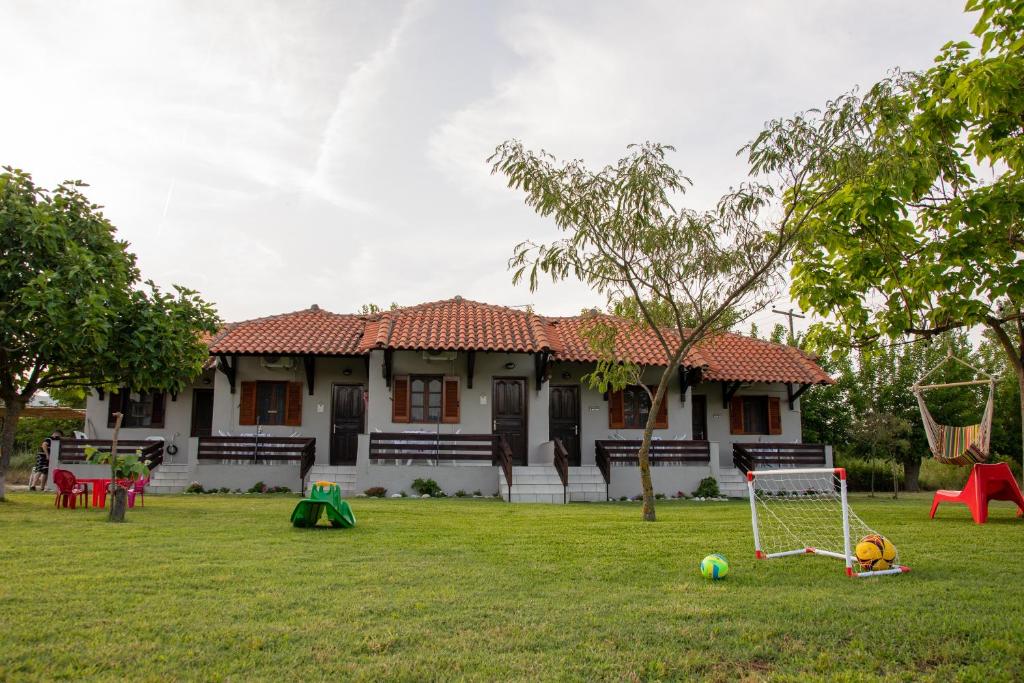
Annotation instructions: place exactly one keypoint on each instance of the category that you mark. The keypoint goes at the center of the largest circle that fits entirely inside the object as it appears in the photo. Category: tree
(681, 275)
(73, 313)
(920, 241)
(883, 433)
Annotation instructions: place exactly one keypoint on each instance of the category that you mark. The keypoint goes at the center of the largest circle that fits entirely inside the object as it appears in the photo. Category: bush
(707, 488)
(461, 494)
(194, 487)
(427, 487)
(858, 473)
(477, 494)
(623, 498)
(659, 496)
(258, 487)
(376, 492)
(32, 431)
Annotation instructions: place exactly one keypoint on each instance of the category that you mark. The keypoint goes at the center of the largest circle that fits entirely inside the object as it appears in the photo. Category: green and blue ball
(714, 566)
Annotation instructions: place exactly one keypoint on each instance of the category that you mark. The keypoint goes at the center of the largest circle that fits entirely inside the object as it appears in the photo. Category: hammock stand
(956, 445)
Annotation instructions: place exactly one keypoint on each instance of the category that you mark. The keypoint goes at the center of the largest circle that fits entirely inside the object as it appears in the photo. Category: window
(700, 417)
(140, 409)
(270, 402)
(425, 398)
(630, 408)
(755, 415)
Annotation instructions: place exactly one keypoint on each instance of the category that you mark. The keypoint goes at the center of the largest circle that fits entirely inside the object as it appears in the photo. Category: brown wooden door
(564, 420)
(347, 412)
(700, 418)
(202, 412)
(508, 410)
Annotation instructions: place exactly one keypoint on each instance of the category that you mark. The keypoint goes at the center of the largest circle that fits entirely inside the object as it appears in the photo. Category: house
(480, 398)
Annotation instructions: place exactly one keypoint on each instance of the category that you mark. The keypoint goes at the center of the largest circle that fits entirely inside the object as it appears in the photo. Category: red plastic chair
(137, 488)
(987, 482)
(69, 490)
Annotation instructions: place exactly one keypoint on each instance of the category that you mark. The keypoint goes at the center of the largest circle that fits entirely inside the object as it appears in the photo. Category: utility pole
(789, 314)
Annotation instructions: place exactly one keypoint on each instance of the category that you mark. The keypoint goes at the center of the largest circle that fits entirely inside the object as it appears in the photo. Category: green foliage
(123, 466)
(376, 492)
(33, 430)
(194, 487)
(707, 488)
(427, 487)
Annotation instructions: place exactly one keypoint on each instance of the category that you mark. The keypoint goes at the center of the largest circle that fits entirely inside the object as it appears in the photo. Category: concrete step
(345, 477)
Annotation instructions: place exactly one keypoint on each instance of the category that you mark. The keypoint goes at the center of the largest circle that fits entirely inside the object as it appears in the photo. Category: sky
(273, 155)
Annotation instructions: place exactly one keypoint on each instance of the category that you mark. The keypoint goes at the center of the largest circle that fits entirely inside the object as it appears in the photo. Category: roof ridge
(278, 316)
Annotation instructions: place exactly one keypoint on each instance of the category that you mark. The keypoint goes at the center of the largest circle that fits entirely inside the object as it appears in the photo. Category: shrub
(194, 487)
(477, 494)
(707, 488)
(858, 474)
(427, 487)
(461, 494)
(224, 489)
(623, 498)
(376, 492)
(258, 487)
(659, 496)
(680, 495)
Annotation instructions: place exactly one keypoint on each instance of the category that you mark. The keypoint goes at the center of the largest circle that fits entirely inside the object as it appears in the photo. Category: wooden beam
(728, 391)
(794, 395)
(386, 368)
(540, 362)
(310, 364)
(174, 396)
(229, 368)
(470, 367)
(687, 378)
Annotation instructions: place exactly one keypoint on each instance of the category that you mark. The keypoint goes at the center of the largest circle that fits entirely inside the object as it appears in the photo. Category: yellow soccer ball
(875, 553)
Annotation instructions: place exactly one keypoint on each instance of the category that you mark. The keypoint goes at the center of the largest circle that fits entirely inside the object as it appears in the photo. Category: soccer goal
(805, 511)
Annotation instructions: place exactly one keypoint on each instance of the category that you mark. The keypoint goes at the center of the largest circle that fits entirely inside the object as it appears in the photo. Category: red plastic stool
(987, 482)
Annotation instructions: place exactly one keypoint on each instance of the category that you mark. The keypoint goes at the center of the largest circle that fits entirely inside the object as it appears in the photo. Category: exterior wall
(666, 479)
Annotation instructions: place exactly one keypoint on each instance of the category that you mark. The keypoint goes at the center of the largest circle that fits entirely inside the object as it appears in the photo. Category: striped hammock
(957, 445)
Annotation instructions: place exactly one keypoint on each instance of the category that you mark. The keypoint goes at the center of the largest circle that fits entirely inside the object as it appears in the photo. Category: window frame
(762, 409)
(425, 393)
(635, 405)
(281, 413)
(121, 401)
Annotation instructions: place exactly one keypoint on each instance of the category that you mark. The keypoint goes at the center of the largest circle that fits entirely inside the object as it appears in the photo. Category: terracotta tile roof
(459, 324)
(456, 325)
(311, 331)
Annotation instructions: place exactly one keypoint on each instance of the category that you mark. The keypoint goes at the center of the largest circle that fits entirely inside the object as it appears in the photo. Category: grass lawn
(222, 587)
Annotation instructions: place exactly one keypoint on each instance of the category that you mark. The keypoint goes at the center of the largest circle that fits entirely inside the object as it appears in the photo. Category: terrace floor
(222, 587)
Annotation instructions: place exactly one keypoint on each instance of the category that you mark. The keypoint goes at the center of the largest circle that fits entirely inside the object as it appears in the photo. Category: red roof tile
(311, 331)
(459, 324)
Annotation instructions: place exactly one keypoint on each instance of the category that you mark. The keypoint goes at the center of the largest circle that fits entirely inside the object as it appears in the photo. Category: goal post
(807, 512)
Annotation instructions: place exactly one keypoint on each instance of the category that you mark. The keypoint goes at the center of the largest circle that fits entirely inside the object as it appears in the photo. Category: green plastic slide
(323, 497)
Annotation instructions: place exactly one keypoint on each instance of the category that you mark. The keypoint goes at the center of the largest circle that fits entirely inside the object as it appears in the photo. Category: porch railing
(260, 449)
(753, 456)
(72, 451)
(662, 452)
(503, 457)
(561, 463)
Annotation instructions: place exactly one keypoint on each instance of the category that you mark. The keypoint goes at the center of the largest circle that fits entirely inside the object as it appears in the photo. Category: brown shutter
(450, 399)
(113, 406)
(774, 416)
(616, 413)
(736, 415)
(293, 404)
(247, 405)
(156, 418)
(400, 398)
(661, 419)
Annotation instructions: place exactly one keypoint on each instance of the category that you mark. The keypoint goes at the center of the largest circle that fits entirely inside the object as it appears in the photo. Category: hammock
(957, 445)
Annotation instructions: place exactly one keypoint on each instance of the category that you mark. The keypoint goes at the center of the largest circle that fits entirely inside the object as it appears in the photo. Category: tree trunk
(13, 409)
(912, 471)
(1020, 386)
(643, 456)
(895, 479)
(118, 494)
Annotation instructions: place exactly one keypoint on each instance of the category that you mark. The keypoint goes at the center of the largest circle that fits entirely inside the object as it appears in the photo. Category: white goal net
(805, 511)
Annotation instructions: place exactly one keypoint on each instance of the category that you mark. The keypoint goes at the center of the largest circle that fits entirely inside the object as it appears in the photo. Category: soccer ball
(875, 553)
(714, 566)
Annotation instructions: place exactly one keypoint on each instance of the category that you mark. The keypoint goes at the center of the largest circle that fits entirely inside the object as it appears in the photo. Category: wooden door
(700, 418)
(202, 412)
(508, 412)
(347, 413)
(564, 420)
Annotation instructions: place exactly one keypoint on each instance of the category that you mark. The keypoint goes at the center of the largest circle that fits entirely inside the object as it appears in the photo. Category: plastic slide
(325, 496)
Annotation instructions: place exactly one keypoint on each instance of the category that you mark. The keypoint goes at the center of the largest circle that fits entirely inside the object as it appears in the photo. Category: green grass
(223, 588)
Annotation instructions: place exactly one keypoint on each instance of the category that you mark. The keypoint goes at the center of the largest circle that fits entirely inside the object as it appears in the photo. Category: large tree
(73, 312)
(926, 234)
(679, 274)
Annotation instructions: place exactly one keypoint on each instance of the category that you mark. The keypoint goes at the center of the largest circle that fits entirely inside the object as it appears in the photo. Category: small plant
(623, 498)
(258, 487)
(707, 488)
(376, 492)
(427, 487)
(477, 494)
(224, 489)
(679, 495)
(659, 496)
(403, 494)
(461, 494)
(194, 487)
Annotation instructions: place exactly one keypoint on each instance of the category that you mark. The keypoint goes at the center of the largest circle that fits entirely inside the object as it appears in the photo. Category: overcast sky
(276, 155)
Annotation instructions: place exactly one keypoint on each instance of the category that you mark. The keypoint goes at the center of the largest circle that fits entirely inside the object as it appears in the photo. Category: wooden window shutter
(736, 415)
(247, 404)
(661, 419)
(156, 417)
(774, 416)
(400, 408)
(293, 404)
(450, 399)
(616, 413)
